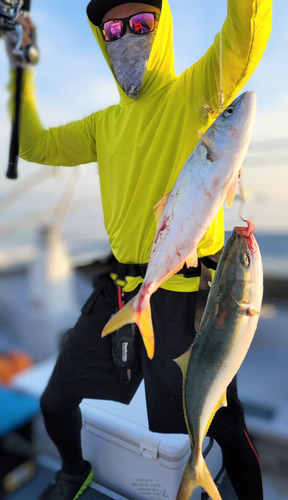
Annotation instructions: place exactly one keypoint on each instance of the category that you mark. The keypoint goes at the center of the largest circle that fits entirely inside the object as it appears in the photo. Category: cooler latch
(149, 448)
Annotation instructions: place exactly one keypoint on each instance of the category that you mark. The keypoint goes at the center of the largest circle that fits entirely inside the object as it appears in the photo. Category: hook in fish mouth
(248, 231)
(248, 234)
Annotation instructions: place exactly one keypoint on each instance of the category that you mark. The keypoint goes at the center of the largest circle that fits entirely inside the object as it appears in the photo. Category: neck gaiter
(129, 57)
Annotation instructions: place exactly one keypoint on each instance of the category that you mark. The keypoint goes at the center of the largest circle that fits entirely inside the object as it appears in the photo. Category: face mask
(129, 57)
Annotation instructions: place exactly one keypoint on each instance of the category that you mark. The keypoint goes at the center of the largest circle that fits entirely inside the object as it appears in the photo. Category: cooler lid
(129, 424)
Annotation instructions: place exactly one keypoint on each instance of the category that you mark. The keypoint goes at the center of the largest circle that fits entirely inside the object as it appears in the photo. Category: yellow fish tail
(197, 475)
(133, 313)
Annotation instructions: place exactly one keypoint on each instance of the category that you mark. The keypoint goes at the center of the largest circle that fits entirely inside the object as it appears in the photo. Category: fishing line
(242, 202)
(221, 107)
(221, 93)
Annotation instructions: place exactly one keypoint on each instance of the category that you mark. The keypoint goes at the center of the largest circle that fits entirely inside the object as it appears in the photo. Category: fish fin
(197, 474)
(123, 317)
(212, 151)
(222, 402)
(206, 480)
(192, 259)
(159, 207)
(145, 325)
(232, 190)
(129, 314)
(252, 312)
(183, 361)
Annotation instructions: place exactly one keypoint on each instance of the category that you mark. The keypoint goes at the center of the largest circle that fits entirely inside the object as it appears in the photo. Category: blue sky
(73, 79)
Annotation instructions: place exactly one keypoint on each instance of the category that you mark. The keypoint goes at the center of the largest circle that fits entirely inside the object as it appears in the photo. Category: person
(141, 144)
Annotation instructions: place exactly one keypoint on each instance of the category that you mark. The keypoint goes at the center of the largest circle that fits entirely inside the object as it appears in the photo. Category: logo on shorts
(124, 352)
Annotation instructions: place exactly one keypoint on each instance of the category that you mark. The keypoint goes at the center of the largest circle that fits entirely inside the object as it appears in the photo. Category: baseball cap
(97, 9)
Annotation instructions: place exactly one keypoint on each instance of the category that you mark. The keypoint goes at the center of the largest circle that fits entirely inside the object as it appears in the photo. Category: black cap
(97, 9)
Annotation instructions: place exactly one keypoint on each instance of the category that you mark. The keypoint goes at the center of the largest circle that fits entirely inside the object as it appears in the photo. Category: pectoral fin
(213, 152)
(159, 207)
(252, 312)
(232, 192)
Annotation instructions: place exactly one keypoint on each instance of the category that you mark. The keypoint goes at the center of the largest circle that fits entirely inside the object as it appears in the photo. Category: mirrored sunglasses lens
(113, 30)
(142, 23)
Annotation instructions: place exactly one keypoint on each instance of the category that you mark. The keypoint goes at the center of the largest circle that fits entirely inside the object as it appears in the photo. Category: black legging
(243, 467)
(64, 428)
(85, 370)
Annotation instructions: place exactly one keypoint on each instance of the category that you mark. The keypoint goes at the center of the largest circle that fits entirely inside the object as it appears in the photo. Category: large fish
(208, 178)
(225, 334)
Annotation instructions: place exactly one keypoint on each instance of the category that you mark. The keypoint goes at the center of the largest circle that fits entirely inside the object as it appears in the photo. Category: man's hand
(28, 26)
(11, 39)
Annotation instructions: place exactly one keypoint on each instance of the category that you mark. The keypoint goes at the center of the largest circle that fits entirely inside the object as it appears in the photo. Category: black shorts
(85, 366)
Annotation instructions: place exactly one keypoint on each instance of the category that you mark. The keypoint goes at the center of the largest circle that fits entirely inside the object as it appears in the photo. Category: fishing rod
(10, 10)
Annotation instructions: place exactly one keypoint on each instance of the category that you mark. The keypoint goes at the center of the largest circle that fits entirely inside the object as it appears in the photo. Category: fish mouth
(247, 234)
(249, 100)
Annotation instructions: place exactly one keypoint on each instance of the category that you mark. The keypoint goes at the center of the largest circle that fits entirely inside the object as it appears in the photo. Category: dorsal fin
(213, 152)
(159, 207)
(183, 361)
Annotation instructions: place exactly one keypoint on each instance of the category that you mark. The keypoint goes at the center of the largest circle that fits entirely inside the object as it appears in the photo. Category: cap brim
(97, 9)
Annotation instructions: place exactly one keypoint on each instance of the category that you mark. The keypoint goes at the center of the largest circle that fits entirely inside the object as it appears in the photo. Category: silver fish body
(225, 334)
(207, 178)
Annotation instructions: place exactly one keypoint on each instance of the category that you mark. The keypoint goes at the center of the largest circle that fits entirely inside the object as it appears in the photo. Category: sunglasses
(140, 24)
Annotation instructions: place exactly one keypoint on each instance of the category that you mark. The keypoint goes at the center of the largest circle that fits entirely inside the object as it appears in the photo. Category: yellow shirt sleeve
(245, 34)
(68, 145)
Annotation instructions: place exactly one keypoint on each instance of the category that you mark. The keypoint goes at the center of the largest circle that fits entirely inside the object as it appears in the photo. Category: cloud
(271, 118)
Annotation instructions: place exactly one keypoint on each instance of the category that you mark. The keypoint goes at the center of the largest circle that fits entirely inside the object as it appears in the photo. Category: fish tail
(197, 474)
(207, 482)
(133, 313)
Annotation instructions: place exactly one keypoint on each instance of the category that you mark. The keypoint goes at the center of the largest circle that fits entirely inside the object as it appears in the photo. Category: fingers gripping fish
(183, 216)
(224, 337)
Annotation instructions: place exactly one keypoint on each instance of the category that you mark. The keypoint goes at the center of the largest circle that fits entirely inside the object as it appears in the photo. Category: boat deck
(33, 489)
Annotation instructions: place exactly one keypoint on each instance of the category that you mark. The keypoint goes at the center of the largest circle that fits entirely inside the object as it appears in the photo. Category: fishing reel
(10, 10)
(29, 54)
(9, 13)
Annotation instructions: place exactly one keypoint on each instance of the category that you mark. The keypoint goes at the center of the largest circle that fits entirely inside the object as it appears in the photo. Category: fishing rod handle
(12, 171)
(26, 6)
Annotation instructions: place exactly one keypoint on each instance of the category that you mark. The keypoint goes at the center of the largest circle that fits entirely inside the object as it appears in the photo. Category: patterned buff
(129, 57)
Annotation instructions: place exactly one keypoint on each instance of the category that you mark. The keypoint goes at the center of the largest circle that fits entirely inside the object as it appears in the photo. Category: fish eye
(228, 112)
(244, 259)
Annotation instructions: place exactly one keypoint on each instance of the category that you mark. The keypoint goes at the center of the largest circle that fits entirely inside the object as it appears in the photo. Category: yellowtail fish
(224, 337)
(183, 216)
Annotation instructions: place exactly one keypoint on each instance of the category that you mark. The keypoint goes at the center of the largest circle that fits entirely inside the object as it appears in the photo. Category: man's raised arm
(245, 34)
(68, 145)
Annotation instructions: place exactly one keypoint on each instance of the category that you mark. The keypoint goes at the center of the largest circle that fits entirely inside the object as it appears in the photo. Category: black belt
(139, 270)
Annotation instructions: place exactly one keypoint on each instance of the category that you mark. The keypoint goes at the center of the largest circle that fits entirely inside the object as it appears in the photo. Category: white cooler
(126, 457)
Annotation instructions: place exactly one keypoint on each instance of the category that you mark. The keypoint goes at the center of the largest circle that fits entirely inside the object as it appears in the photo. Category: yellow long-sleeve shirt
(142, 145)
